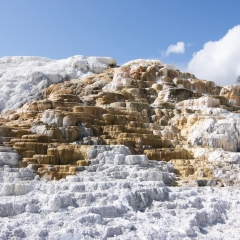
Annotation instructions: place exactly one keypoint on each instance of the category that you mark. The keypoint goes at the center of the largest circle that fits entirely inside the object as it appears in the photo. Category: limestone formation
(152, 108)
(117, 141)
(114, 198)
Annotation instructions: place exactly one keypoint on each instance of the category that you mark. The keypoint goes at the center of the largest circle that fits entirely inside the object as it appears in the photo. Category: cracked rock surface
(118, 196)
(91, 150)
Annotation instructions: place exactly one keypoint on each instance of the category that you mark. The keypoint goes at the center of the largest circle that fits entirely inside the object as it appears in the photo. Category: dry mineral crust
(119, 138)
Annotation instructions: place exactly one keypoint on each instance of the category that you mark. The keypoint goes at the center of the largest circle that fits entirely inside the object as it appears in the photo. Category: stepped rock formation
(115, 137)
(114, 198)
(23, 78)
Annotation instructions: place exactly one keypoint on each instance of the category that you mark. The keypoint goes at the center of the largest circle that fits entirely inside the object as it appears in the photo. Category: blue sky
(124, 29)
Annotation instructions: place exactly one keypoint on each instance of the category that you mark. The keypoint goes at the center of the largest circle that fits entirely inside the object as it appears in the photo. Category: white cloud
(177, 48)
(218, 61)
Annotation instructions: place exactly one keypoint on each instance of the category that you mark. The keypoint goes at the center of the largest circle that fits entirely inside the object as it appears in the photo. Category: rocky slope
(22, 78)
(125, 198)
(119, 135)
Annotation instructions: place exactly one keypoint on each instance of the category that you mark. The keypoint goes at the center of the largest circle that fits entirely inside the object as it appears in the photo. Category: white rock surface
(9, 158)
(200, 103)
(214, 128)
(142, 62)
(108, 201)
(225, 165)
(141, 160)
(121, 79)
(22, 78)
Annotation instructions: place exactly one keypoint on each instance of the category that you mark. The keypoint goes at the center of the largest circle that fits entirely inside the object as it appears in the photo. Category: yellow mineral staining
(151, 108)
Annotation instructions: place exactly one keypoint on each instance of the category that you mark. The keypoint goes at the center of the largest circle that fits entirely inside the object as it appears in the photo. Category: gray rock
(119, 159)
(137, 160)
(9, 158)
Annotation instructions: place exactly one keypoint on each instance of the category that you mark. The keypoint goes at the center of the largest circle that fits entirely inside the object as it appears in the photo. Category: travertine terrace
(125, 143)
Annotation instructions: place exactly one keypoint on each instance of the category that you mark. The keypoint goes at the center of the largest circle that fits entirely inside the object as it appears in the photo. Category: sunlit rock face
(152, 108)
(217, 133)
(232, 92)
(117, 139)
(202, 102)
(113, 198)
(23, 78)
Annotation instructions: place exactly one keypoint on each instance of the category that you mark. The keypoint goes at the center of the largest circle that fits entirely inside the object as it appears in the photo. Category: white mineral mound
(22, 78)
(119, 196)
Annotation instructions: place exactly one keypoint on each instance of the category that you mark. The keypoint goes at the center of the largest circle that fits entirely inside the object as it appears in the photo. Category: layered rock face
(114, 198)
(151, 108)
(23, 78)
(118, 141)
